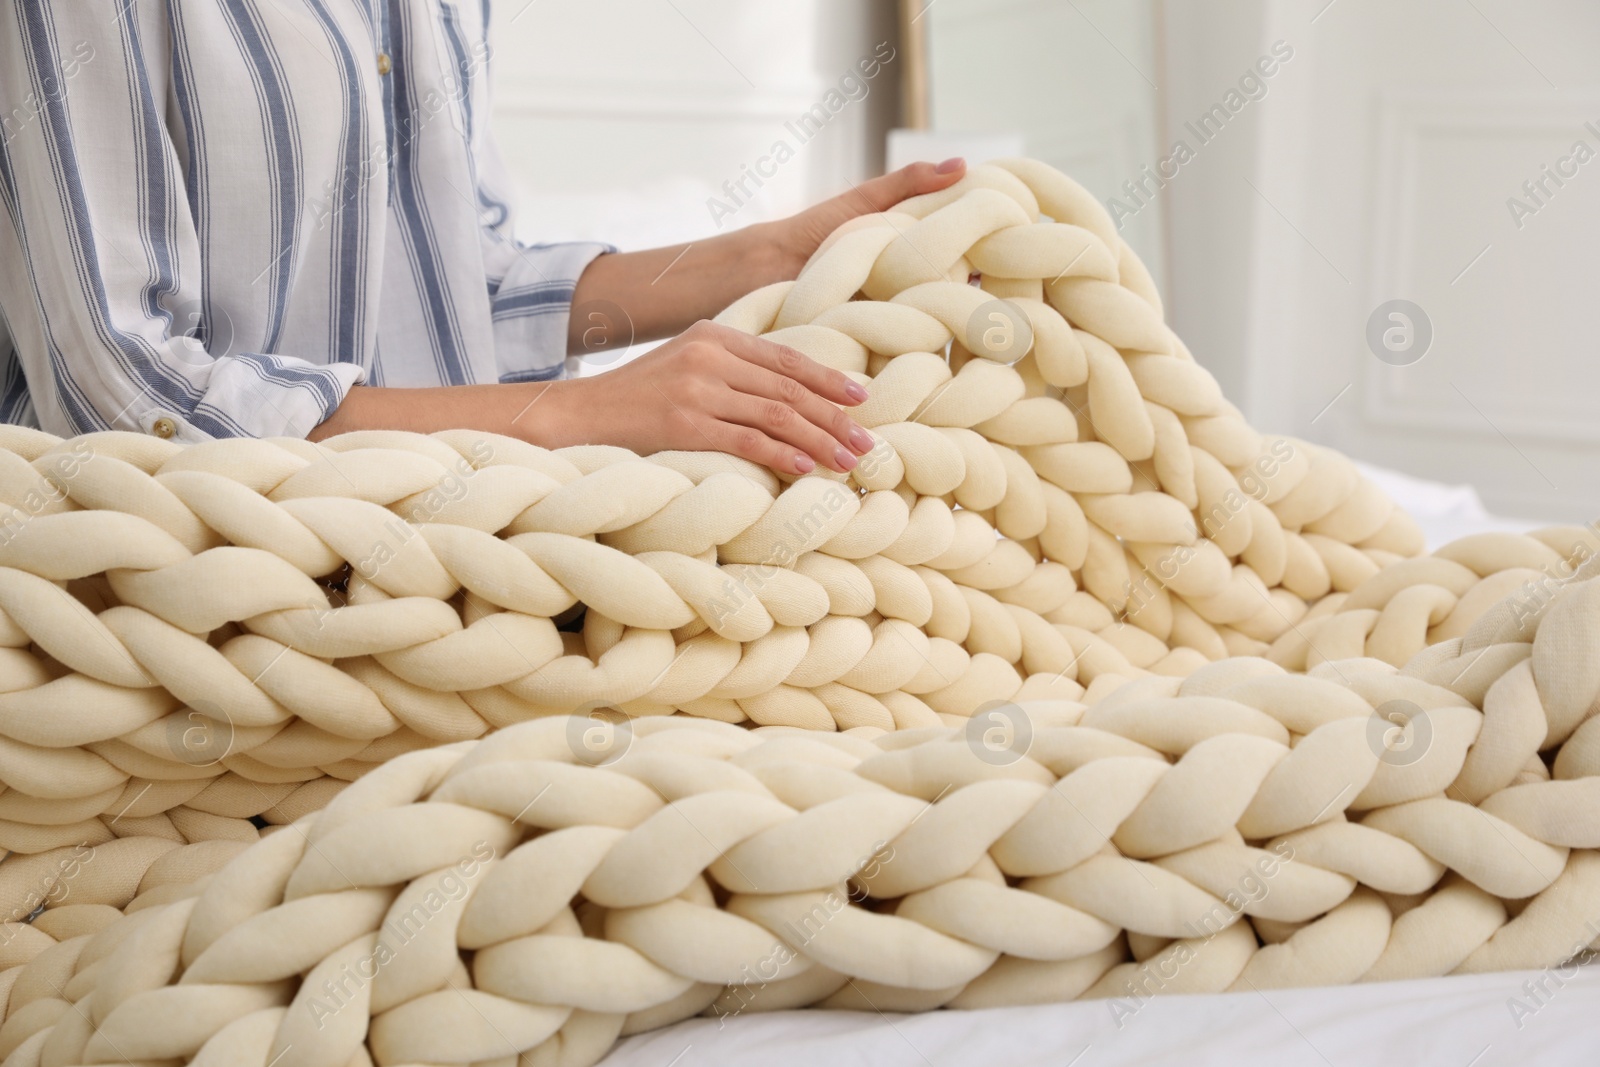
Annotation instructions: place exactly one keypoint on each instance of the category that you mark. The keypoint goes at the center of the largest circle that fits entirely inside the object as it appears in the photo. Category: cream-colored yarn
(1076, 501)
(1419, 602)
(1239, 829)
(1183, 629)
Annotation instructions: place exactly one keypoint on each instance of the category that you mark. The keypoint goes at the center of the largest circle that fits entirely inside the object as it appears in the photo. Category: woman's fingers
(782, 422)
(744, 395)
(791, 363)
(784, 393)
(748, 442)
(757, 381)
(881, 194)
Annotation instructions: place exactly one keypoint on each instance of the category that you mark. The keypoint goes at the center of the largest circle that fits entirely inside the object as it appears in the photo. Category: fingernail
(861, 441)
(804, 463)
(855, 392)
(954, 163)
(843, 460)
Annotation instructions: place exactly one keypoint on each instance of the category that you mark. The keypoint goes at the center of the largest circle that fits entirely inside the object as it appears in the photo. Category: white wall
(621, 117)
(1381, 163)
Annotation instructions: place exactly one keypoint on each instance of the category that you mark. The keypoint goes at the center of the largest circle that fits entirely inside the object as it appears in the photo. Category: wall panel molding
(1413, 260)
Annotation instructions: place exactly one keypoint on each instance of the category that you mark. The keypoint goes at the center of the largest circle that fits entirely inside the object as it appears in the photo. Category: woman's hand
(801, 235)
(661, 291)
(713, 388)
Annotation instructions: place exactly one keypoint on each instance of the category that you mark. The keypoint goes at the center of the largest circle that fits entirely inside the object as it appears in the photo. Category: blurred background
(1373, 220)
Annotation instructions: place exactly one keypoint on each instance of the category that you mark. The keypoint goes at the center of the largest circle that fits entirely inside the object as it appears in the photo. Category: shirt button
(163, 427)
(384, 65)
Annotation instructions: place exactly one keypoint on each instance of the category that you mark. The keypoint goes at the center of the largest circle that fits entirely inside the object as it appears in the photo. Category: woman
(286, 217)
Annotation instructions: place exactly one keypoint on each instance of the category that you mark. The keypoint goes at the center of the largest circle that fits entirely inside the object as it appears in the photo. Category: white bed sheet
(1466, 1021)
(1444, 512)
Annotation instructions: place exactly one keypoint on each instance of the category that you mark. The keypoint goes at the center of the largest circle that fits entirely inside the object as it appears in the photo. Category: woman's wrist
(556, 414)
(774, 252)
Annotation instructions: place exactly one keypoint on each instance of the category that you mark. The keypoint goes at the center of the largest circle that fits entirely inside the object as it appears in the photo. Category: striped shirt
(216, 216)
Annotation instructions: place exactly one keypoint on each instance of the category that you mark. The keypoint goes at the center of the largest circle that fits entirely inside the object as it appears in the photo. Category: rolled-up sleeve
(532, 303)
(102, 277)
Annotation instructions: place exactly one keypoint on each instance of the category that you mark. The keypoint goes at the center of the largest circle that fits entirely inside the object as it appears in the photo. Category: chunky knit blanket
(410, 750)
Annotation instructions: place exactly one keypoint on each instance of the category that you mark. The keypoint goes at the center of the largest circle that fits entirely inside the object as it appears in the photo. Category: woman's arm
(710, 387)
(664, 290)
